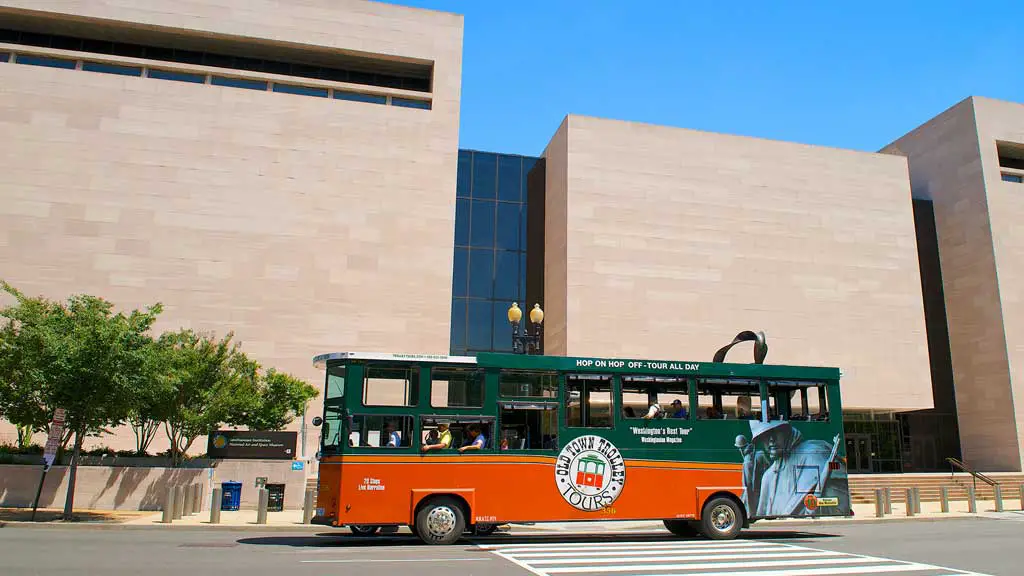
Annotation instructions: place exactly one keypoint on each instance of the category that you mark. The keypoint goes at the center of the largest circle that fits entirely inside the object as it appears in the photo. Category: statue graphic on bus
(785, 474)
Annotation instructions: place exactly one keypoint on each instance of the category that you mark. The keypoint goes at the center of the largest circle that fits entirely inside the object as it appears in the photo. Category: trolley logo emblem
(590, 473)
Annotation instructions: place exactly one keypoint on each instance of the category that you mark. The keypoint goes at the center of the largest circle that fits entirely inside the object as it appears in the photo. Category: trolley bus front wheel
(363, 530)
(440, 520)
(721, 519)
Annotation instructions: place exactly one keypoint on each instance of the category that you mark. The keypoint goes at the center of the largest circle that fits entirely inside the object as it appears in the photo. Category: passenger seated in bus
(677, 409)
(654, 412)
(444, 439)
(743, 411)
(475, 440)
(393, 436)
(630, 413)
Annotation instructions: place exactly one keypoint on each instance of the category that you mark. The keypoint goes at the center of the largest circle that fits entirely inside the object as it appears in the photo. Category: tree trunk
(69, 502)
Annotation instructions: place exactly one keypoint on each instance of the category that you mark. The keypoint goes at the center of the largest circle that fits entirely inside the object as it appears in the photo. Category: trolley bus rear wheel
(721, 519)
(682, 527)
(440, 521)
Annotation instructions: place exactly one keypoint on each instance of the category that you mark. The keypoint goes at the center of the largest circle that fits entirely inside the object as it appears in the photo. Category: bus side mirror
(318, 421)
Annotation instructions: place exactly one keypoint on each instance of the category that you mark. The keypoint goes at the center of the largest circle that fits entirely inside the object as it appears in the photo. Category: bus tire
(721, 519)
(440, 520)
(364, 529)
(681, 527)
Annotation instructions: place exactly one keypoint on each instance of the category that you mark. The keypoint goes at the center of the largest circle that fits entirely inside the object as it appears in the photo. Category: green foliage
(278, 398)
(209, 384)
(105, 369)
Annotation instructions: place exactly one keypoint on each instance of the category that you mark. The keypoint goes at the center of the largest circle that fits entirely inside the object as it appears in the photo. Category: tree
(209, 384)
(82, 357)
(279, 397)
(22, 356)
(144, 416)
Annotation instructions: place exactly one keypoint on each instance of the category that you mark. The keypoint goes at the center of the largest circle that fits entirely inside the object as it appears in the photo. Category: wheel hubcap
(441, 521)
(722, 517)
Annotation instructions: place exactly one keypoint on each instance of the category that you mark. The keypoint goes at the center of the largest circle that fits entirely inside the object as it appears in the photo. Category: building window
(300, 90)
(4, 56)
(357, 97)
(176, 76)
(238, 83)
(409, 103)
(46, 61)
(112, 69)
(1018, 178)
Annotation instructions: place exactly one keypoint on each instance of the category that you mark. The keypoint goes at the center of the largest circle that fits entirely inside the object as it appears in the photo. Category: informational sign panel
(235, 444)
(53, 440)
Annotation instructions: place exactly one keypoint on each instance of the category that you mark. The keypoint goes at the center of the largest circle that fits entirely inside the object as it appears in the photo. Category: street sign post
(50, 452)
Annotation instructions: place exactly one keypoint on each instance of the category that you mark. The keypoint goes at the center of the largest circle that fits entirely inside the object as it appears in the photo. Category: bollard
(888, 500)
(261, 511)
(168, 507)
(944, 498)
(307, 508)
(998, 495)
(215, 502)
(1022, 496)
(910, 502)
(198, 498)
(179, 502)
(190, 495)
(879, 503)
(917, 500)
(972, 504)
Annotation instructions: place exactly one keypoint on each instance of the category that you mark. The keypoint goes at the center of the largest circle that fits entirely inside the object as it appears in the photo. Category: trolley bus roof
(594, 364)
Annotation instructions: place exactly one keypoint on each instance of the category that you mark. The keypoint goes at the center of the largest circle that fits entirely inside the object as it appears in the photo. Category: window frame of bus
(421, 428)
(687, 381)
(414, 383)
(563, 384)
(553, 374)
(756, 400)
(350, 419)
(528, 405)
(801, 387)
(480, 374)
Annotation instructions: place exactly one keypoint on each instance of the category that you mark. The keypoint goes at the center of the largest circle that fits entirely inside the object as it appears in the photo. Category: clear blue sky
(848, 74)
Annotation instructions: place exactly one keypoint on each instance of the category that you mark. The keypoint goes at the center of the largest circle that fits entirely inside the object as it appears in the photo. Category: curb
(187, 527)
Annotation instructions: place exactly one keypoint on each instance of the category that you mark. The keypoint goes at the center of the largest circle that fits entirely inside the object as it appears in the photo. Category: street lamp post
(526, 342)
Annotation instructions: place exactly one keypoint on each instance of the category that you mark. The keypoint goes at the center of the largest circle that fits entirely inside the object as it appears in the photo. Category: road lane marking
(393, 560)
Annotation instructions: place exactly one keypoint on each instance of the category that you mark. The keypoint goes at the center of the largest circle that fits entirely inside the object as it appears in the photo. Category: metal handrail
(954, 463)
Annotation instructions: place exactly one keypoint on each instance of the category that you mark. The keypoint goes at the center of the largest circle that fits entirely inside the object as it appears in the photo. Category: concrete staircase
(862, 486)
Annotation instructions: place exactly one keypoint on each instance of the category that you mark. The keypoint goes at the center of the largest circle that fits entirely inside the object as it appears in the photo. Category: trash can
(275, 497)
(232, 498)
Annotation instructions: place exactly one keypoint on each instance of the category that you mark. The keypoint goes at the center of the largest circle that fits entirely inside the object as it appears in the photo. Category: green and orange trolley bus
(450, 444)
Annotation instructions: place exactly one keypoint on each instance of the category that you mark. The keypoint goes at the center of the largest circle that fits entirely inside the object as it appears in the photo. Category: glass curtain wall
(490, 250)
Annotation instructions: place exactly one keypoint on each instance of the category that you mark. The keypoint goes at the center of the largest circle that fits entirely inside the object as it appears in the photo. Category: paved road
(969, 546)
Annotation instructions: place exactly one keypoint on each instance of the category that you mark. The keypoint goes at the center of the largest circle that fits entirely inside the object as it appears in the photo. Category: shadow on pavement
(342, 540)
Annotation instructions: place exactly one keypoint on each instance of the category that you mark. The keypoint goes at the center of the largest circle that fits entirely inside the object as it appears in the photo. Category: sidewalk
(863, 512)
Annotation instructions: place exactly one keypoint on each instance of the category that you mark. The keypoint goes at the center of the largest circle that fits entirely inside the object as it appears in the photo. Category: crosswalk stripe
(674, 551)
(635, 560)
(706, 565)
(700, 558)
(512, 548)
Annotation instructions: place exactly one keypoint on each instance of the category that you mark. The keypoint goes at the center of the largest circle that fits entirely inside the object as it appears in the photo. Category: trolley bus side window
(390, 385)
(728, 399)
(797, 400)
(588, 401)
(380, 431)
(456, 388)
(526, 384)
(640, 392)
